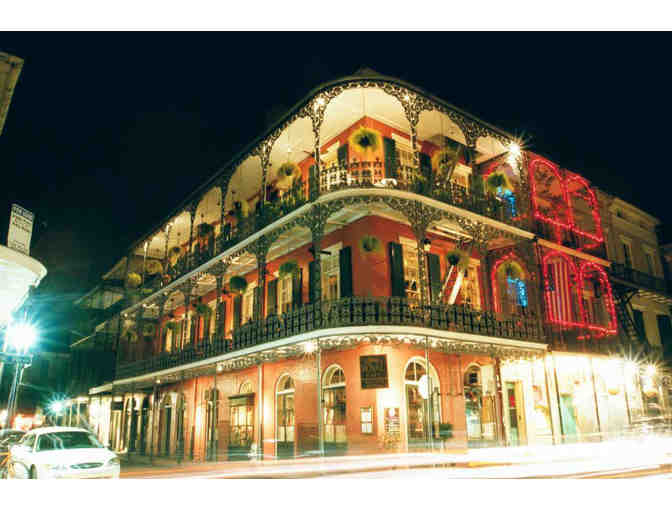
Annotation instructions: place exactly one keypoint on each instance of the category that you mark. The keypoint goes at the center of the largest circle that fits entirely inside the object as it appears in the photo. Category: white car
(61, 452)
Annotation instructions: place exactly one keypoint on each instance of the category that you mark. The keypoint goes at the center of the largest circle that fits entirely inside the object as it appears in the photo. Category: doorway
(516, 413)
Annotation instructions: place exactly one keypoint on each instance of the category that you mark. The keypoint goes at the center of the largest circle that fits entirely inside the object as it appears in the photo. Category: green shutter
(426, 168)
(390, 151)
(342, 154)
(311, 282)
(237, 311)
(398, 288)
(345, 270)
(272, 298)
(434, 266)
(222, 319)
(297, 287)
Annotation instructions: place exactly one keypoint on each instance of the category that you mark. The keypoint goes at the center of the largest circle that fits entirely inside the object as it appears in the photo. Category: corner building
(379, 272)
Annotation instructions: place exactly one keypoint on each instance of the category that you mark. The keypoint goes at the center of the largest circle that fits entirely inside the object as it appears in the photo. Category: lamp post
(19, 336)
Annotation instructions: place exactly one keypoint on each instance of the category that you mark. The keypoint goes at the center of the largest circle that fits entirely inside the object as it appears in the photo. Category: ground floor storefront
(372, 395)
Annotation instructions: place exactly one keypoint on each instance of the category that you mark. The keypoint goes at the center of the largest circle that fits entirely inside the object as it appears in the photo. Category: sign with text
(373, 371)
(20, 229)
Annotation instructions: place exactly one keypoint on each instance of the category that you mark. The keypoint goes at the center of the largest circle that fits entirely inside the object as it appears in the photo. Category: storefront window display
(610, 387)
(577, 398)
(335, 439)
(479, 398)
(422, 400)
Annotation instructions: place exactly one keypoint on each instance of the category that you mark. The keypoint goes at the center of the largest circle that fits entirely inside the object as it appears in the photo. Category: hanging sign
(20, 229)
(373, 371)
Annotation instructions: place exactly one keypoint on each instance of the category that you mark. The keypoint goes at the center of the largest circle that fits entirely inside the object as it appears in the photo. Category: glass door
(242, 429)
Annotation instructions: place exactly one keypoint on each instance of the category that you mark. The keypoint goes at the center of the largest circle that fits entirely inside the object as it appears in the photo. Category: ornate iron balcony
(638, 278)
(358, 311)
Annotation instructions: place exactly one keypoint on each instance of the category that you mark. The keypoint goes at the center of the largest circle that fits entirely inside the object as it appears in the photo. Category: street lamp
(20, 337)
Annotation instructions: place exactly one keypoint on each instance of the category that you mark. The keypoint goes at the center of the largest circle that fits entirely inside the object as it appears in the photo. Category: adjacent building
(379, 271)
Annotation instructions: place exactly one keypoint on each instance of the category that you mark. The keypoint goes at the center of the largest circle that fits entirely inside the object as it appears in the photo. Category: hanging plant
(497, 181)
(288, 268)
(445, 161)
(238, 284)
(133, 280)
(369, 244)
(287, 173)
(131, 336)
(153, 267)
(513, 270)
(459, 258)
(205, 229)
(171, 325)
(148, 329)
(203, 310)
(365, 140)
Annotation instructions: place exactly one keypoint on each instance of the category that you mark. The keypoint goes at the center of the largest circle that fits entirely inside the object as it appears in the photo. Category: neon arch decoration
(519, 283)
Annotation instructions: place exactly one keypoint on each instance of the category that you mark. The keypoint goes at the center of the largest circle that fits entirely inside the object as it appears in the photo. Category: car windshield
(67, 440)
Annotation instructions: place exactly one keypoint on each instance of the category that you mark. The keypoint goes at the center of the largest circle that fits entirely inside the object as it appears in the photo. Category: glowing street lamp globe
(21, 336)
(56, 407)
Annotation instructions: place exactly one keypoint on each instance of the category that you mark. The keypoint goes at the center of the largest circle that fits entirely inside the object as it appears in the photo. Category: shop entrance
(242, 426)
(422, 401)
(165, 421)
(144, 422)
(335, 438)
(285, 417)
(479, 406)
(514, 400)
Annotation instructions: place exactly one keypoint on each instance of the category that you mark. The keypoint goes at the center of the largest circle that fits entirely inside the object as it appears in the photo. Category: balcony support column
(159, 326)
(166, 261)
(316, 111)
(221, 184)
(218, 271)
(260, 250)
(186, 289)
(139, 337)
(189, 253)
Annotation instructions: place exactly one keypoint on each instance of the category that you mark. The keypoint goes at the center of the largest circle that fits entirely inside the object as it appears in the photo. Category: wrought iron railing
(344, 312)
(628, 274)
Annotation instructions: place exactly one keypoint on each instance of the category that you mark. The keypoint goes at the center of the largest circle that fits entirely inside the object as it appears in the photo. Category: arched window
(560, 279)
(584, 209)
(284, 405)
(509, 286)
(549, 197)
(597, 302)
(333, 396)
(422, 400)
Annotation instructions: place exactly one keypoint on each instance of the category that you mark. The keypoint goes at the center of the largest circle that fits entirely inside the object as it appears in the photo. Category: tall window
(285, 416)
(248, 303)
(649, 262)
(334, 406)
(406, 169)
(410, 256)
(285, 293)
(627, 254)
(470, 290)
(330, 274)
(510, 288)
(561, 301)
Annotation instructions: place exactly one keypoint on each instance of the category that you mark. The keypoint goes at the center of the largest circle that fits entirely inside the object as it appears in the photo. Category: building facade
(380, 271)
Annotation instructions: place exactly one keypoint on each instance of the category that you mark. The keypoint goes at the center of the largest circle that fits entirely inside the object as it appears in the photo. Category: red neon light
(598, 236)
(493, 278)
(601, 331)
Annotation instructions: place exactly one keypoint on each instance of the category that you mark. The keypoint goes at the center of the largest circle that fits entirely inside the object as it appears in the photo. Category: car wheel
(33, 473)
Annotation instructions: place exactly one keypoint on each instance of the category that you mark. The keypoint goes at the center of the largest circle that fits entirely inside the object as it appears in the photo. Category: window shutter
(272, 298)
(311, 282)
(237, 311)
(390, 155)
(397, 270)
(222, 319)
(297, 284)
(342, 154)
(345, 270)
(426, 167)
(434, 266)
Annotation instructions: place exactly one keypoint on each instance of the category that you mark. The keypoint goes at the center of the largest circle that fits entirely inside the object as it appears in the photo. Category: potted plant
(288, 268)
(287, 173)
(148, 330)
(204, 229)
(174, 255)
(496, 182)
(171, 325)
(459, 258)
(133, 280)
(202, 310)
(369, 244)
(238, 284)
(365, 140)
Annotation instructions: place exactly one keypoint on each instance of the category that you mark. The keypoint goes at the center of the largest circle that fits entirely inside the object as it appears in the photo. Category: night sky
(108, 132)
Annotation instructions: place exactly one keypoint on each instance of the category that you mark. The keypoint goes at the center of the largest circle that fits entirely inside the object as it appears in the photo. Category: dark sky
(107, 132)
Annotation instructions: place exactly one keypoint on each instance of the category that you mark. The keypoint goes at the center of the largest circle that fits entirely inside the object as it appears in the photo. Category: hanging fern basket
(148, 330)
(370, 245)
(365, 140)
(288, 268)
(287, 174)
(238, 284)
(203, 310)
(171, 325)
(154, 267)
(205, 229)
(513, 270)
(445, 159)
(497, 181)
(458, 258)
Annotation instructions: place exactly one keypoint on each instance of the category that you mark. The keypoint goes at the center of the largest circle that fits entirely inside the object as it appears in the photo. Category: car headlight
(114, 461)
